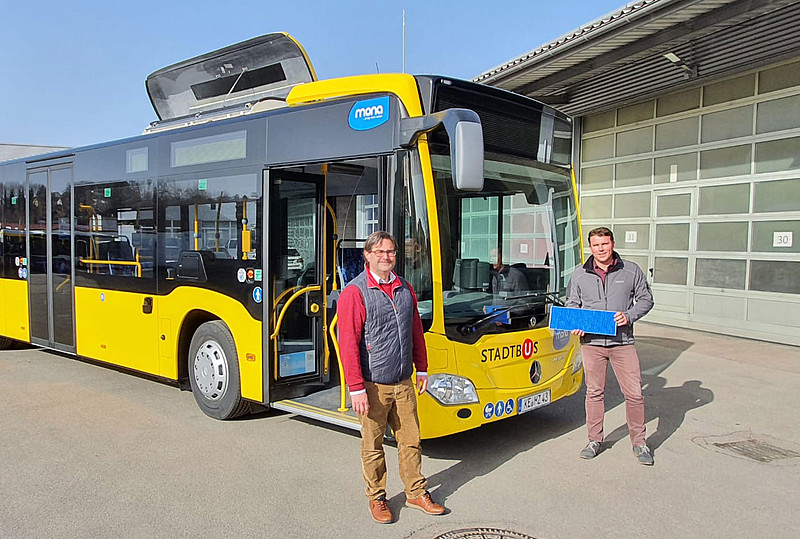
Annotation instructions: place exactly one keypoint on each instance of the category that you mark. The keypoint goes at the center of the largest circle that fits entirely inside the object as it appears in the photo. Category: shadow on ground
(480, 451)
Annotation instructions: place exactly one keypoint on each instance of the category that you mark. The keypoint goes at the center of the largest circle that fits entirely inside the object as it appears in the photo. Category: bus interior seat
(192, 265)
(115, 250)
(471, 274)
(536, 278)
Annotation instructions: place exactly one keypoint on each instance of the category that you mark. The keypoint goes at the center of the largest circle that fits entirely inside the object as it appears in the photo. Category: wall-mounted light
(689, 70)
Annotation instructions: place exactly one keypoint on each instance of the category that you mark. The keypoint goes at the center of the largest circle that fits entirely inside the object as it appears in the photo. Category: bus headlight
(577, 360)
(450, 389)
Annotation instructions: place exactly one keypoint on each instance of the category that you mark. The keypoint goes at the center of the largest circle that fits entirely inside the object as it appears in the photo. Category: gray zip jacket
(626, 290)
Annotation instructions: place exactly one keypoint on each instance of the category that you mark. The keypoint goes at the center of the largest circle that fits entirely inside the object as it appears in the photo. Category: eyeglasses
(382, 253)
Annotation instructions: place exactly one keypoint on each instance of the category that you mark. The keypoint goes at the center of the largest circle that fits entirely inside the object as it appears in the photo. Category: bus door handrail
(332, 328)
(274, 336)
(280, 298)
(342, 384)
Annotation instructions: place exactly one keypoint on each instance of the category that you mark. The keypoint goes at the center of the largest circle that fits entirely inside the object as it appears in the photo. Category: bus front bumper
(495, 404)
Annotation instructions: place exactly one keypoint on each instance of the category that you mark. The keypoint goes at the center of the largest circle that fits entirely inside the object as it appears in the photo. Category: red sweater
(352, 315)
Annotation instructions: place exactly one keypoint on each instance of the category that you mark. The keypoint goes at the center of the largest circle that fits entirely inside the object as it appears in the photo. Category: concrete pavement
(86, 451)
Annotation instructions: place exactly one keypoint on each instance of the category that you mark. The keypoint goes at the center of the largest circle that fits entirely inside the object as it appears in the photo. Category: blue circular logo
(560, 339)
(258, 294)
(509, 406)
(488, 410)
(499, 408)
(102, 297)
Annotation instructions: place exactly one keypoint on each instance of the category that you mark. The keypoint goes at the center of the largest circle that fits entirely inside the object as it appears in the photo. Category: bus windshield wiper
(542, 298)
(466, 329)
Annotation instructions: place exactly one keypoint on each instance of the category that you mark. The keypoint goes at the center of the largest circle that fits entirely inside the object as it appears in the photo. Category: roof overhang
(649, 47)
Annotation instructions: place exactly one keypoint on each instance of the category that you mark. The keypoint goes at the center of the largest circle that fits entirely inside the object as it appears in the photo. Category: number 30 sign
(781, 239)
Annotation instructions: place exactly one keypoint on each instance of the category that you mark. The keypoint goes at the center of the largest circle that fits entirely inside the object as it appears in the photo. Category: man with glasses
(381, 341)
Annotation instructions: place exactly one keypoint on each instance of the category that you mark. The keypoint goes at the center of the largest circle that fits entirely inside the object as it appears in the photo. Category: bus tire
(214, 372)
(6, 343)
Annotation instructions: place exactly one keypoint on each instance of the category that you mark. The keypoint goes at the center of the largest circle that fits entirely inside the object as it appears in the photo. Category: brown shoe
(424, 503)
(380, 511)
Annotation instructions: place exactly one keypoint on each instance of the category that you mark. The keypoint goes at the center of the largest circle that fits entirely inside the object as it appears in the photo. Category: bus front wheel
(214, 372)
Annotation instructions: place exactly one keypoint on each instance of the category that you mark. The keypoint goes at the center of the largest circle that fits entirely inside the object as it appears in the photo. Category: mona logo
(369, 114)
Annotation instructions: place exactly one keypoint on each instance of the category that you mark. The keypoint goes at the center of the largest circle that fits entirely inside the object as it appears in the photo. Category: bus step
(342, 419)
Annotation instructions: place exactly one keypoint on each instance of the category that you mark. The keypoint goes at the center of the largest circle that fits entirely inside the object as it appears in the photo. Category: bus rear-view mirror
(465, 132)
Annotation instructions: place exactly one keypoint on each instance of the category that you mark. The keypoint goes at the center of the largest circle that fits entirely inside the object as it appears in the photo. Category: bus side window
(216, 216)
(114, 234)
(354, 194)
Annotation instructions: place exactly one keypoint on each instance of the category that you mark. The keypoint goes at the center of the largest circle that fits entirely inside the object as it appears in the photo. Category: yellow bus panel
(173, 310)
(403, 86)
(14, 314)
(110, 326)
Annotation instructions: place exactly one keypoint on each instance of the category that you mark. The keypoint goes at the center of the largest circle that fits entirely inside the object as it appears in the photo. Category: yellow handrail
(196, 227)
(64, 282)
(274, 335)
(138, 265)
(281, 296)
(343, 386)
(332, 329)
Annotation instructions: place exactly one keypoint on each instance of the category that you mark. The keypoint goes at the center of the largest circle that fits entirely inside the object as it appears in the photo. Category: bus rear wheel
(214, 372)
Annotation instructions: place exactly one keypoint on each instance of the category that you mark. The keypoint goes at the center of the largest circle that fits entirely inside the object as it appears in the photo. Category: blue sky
(72, 73)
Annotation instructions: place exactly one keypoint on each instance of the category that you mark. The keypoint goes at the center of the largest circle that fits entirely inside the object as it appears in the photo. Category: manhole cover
(757, 450)
(756, 447)
(483, 533)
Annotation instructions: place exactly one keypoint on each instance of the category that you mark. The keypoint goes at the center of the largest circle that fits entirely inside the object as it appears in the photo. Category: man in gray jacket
(608, 283)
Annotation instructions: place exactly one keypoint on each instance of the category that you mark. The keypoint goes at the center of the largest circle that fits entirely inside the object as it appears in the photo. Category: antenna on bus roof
(377, 69)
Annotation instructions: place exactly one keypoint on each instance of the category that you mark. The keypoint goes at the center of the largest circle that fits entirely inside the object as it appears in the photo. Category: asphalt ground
(87, 451)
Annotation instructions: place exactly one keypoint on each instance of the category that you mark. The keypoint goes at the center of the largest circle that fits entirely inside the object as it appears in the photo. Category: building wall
(702, 189)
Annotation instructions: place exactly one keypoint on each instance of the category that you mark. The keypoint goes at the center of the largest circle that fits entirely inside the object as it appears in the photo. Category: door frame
(48, 169)
(275, 388)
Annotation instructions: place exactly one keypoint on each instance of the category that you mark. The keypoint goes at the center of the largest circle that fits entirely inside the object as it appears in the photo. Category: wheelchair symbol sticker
(509, 406)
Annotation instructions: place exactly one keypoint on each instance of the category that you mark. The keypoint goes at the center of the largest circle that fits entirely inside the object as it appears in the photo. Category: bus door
(294, 285)
(50, 251)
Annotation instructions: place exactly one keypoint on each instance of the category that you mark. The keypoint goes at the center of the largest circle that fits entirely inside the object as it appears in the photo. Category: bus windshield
(514, 244)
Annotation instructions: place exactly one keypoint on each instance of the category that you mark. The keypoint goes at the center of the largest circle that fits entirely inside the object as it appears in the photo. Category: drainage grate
(754, 447)
(483, 533)
(757, 450)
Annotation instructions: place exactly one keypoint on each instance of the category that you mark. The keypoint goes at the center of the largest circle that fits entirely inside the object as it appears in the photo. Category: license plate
(531, 402)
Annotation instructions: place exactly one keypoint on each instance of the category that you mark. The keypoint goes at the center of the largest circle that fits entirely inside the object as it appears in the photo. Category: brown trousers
(625, 363)
(395, 404)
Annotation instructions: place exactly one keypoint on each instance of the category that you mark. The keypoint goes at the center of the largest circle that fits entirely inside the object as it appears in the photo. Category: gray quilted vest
(386, 341)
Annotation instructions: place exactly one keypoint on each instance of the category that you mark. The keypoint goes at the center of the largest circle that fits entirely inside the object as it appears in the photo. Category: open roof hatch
(265, 67)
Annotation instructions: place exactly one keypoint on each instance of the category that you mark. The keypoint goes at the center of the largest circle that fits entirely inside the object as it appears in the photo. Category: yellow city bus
(210, 250)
